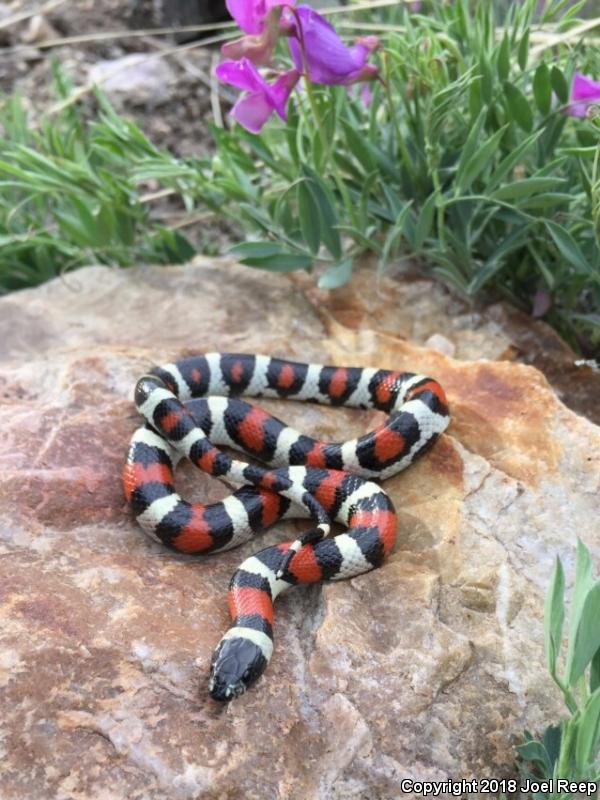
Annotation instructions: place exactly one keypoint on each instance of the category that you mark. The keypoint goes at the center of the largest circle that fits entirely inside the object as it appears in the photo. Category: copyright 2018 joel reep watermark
(462, 788)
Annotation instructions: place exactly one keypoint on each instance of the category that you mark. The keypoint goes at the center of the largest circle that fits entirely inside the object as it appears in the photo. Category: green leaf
(511, 160)
(475, 99)
(535, 752)
(554, 615)
(337, 275)
(308, 213)
(258, 216)
(586, 746)
(357, 145)
(595, 671)
(496, 261)
(487, 81)
(551, 741)
(542, 88)
(523, 50)
(519, 107)
(329, 220)
(175, 247)
(545, 200)
(503, 63)
(363, 239)
(582, 152)
(587, 636)
(568, 247)
(583, 582)
(256, 250)
(559, 84)
(469, 148)
(525, 187)
(395, 233)
(425, 221)
(478, 161)
(282, 262)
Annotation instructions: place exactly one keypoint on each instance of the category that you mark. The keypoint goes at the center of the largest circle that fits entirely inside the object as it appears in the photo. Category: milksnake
(190, 410)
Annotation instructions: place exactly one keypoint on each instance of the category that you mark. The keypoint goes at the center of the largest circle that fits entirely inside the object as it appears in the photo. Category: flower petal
(584, 88)
(329, 61)
(280, 91)
(252, 111)
(584, 92)
(241, 74)
(251, 15)
(257, 48)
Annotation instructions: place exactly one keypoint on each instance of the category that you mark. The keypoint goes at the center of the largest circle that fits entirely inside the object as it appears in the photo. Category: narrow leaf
(595, 672)
(519, 107)
(525, 187)
(587, 636)
(470, 146)
(586, 746)
(542, 88)
(425, 221)
(282, 262)
(568, 247)
(337, 275)
(329, 220)
(308, 213)
(559, 84)
(523, 50)
(511, 160)
(554, 615)
(479, 160)
(256, 249)
(503, 63)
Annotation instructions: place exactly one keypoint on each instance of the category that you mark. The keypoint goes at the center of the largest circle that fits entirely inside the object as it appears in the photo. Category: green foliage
(464, 159)
(70, 193)
(570, 750)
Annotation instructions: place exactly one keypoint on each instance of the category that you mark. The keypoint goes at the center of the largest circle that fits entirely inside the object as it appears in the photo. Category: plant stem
(570, 701)
(329, 160)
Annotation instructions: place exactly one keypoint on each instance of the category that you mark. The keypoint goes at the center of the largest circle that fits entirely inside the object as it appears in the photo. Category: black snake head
(237, 663)
(145, 386)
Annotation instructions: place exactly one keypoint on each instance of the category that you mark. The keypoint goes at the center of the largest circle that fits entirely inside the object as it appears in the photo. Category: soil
(179, 124)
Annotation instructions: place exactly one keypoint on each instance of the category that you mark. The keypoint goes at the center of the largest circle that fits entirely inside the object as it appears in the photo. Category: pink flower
(253, 109)
(260, 20)
(584, 93)
(328, 60)
(251, 15)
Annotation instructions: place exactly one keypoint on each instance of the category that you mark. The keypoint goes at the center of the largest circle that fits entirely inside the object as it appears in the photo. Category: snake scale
(192, 408)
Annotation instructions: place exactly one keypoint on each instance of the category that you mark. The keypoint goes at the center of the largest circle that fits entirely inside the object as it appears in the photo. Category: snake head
(145, 386)
(236, 664)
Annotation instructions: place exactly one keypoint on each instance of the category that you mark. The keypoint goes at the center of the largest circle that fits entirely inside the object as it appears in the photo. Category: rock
(427, 668)
(38, 30)
(412, 306)
(138, 79)
(440, 343)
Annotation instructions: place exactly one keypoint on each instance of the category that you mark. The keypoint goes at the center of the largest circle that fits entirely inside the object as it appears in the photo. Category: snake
(193, 409)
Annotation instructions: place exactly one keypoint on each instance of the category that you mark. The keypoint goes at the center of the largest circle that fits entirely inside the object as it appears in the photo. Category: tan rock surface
(414, 307)
(427, 668)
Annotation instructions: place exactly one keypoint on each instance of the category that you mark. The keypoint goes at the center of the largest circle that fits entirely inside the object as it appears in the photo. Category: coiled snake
(191, 407)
